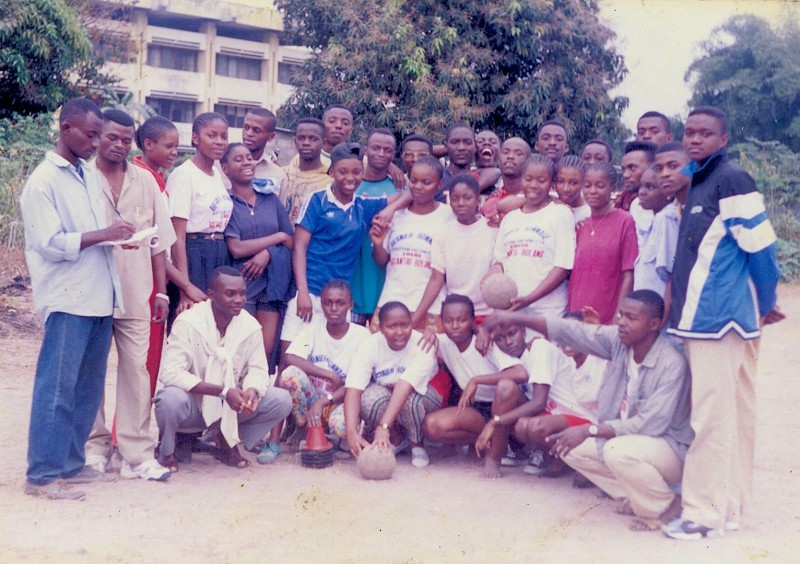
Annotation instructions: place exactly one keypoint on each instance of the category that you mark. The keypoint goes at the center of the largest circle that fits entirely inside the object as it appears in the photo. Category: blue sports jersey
(726, 269)
(336, 233)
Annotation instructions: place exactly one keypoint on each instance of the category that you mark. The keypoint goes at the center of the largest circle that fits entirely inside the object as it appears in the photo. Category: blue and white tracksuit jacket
(726, 268)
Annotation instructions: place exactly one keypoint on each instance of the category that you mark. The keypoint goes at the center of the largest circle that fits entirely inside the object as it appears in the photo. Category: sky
(659, 39)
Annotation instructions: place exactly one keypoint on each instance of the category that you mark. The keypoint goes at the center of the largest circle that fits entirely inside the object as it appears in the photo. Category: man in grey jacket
(636, 451)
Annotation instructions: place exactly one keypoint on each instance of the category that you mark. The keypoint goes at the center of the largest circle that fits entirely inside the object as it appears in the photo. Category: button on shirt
(141, 203)
(57, 207)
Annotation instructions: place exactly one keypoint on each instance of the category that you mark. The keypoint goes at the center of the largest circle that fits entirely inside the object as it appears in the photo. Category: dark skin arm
(528, 409)
(552, 281)
(352, 416)
(160, 305)
(243, 402)
(301, 239)
(117, 231)
(247, 248)
(564, 441)
(514, 373)
(435, 285)
(315, 411)
(400, 393)
(313, 370)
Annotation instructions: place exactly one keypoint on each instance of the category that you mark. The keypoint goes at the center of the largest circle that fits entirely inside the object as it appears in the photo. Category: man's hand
(563, 442)
(466, 396)
(184, 303)
(484, 440)
(356, 442)
(119, 231)
(397, 176)
(590, 315)
(250, 402)
(160, 309)
(314, 417)
(254, 267)
(235, 398)
(499, 317)
(773, 316)
(305, 308)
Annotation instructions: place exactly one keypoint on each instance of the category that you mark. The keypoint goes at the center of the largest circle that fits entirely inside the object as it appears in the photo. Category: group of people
(362, 271)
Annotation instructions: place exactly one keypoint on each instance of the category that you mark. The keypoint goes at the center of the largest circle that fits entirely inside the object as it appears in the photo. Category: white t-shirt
(470, 363)
(530, 245)
(581, 212)
(588, 380)
(631, 395)
(464, 255)
(547, 364)
(409, 244)
(199, 198)
(375, 361)
(316, 345)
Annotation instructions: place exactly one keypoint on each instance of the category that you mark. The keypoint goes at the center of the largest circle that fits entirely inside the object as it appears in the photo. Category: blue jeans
(70, 378)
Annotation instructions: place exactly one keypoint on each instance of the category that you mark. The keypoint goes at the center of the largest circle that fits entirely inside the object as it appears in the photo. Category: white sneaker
(97, 462)
(419, 458)
(147, 470)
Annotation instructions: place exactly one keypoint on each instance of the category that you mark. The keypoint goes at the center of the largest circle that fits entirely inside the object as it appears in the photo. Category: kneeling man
(215, 373)
(636, 451)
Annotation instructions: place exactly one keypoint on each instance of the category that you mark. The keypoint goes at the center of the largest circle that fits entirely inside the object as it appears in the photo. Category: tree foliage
(48, 54)
(752, 72)
(41, 43)
(421, 65)
(776, 171)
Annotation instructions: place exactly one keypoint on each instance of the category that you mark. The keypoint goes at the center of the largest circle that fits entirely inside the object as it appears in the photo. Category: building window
(234, 114)
(286, 72)
(179, 111)
(238, 67)
(174, 58)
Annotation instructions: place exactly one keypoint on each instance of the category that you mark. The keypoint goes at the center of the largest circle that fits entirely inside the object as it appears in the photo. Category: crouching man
(215, 374)
(636, 451)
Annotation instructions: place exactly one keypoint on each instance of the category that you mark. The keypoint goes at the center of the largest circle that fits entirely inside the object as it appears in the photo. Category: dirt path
(445, 513)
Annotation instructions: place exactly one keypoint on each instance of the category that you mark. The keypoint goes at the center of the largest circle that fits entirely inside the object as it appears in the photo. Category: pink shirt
(600, 260)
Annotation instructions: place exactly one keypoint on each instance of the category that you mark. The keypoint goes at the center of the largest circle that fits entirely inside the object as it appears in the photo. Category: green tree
(752, 72)
(421, 65)
(41, 43)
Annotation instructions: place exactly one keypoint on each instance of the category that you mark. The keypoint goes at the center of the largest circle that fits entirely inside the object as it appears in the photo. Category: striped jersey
(726, 269)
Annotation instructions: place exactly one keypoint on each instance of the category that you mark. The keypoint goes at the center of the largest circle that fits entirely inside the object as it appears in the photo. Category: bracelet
(163, 297)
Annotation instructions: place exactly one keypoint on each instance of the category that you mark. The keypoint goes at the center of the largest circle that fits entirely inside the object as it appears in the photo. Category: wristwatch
(593, 430)
(496, 419)
(385, 426)
(330, 397)
(223, 395)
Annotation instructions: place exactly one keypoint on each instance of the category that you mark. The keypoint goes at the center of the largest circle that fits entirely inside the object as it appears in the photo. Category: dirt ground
(444, 513)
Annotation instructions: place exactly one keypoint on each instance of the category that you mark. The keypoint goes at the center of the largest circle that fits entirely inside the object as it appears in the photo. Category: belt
(210, 236)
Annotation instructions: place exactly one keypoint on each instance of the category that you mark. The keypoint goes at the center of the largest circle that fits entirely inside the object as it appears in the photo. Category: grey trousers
(176, 411)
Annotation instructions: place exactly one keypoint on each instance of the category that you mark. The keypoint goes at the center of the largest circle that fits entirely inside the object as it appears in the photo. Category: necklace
(249, 207)
(599, 221)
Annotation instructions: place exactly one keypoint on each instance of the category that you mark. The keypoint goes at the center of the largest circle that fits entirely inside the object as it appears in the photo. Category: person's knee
(505, 390)
(433, 427)
(171, 402)
(617, 457)
(278, 401)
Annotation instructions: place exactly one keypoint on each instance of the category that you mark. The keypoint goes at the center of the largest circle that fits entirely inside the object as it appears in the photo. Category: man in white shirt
(215, 372)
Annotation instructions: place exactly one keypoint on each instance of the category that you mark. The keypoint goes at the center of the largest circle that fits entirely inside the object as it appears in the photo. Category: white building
(195, 56)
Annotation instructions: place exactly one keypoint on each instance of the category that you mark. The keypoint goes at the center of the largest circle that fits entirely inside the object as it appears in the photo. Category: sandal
(642, 524)
(229, 456)
(170, 462)
(624, 508)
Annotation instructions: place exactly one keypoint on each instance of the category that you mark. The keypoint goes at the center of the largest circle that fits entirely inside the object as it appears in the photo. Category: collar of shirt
(60, 161)
(159, 176)
(332, 199)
